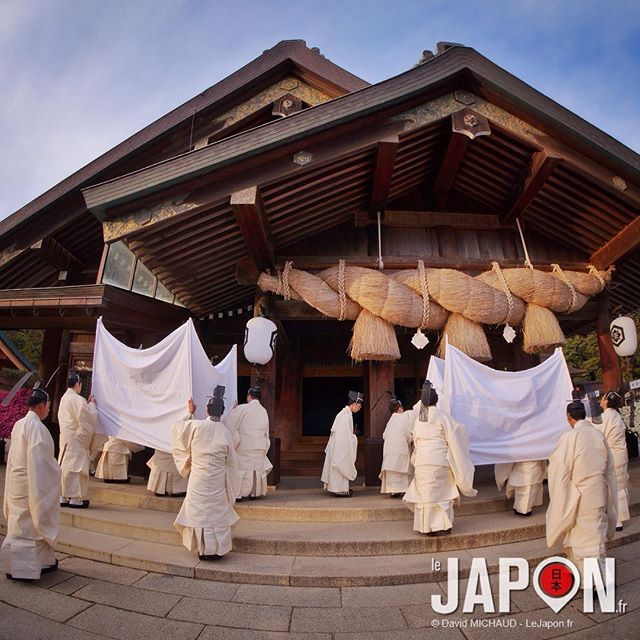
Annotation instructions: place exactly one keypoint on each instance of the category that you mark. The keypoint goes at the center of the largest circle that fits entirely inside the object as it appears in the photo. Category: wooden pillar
(55, 347)
(379, 385)
(611, 374)
(288, 389)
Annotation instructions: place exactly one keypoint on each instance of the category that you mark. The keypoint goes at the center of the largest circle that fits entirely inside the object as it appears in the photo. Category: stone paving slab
(408, 634)
(288, 596)
(232, 614)
(397, 595)
(227, 633)
(101, 570)
(70, 586)
(112, 622)
(626, 627)
(42, 602)
(347, 619)
(128, 598)
(207, 589)
(18, 624)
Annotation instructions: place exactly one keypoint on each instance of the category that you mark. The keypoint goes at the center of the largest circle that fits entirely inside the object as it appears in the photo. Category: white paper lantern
(624, 336)
(260, 340)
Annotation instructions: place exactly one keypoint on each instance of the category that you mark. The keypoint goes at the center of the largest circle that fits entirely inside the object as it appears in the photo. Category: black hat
(394, 404)
(38, 396)
(255, 392)
(73, 378)
(356, 396)
(215, 405)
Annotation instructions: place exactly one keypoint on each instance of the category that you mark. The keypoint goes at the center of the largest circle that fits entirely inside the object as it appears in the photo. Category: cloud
(76, 78)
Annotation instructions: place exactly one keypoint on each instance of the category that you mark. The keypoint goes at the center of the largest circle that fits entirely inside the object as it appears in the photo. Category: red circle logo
(556, 580)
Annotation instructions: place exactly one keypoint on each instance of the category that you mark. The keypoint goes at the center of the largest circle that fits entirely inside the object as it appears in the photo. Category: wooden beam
(50, 250)
(453, 156)
(383, 172)
(621, 245)
(248, 209)
(541, 167)
(247, 274)
(431, 219)
(200, 193)
(466, 125)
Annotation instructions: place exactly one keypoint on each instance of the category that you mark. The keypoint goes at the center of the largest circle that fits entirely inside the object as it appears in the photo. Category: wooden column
(55, 346)
(611, 374)
(379, 385)
(288, 390)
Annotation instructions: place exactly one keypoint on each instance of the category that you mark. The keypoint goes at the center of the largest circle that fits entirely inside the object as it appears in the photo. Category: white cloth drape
(510, 416)
(140, 393)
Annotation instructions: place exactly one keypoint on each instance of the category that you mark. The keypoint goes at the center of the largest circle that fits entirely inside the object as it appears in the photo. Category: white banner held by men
(510, 416)
(141, 392)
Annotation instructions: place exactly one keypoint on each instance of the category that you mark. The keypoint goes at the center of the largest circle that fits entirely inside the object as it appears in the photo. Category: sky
(79, 76)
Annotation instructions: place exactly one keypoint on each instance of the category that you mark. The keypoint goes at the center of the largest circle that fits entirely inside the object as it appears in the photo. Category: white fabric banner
(510, 416)
(140, 393)
(435, 374)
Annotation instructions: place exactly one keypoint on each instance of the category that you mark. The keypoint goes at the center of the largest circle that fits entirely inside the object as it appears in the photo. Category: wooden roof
(194, 217)
(285, 56)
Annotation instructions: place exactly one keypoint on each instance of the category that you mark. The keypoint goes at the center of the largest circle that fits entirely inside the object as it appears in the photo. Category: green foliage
(29, 341)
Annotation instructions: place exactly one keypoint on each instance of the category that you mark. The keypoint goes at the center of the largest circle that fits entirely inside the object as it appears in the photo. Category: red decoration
(15, 410)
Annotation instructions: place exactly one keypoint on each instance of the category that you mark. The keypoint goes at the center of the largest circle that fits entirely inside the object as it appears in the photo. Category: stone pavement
(86, 600)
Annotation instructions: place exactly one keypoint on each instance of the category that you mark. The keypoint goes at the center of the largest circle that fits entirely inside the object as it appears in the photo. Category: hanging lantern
(624, 336)
(260, 340)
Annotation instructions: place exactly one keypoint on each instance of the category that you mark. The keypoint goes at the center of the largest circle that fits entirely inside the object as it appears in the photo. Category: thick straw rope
(422, 298)
(426, 307)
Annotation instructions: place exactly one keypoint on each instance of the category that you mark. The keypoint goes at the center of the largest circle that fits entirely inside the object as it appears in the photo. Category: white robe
(203, 451)
(77, 420)
(614, 432)
(114, 461)
(164, 477)
(442, 465)
(522, 481)
(396, 471)
(249, 426)
(340, 454)
(582, 511)
(31, 499)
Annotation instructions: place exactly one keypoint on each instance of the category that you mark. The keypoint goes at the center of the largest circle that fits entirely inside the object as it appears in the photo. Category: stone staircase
(307, 458)
(304, 537)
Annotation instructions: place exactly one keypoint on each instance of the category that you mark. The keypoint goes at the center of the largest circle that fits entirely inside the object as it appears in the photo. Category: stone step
(310, 505)
(327, 539)
(306, 571)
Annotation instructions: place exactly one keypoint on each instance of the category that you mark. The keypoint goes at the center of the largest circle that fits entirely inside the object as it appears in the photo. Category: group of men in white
(215, 463)
(426, 461)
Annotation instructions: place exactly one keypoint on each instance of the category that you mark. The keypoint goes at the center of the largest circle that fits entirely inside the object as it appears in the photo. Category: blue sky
(79, 76)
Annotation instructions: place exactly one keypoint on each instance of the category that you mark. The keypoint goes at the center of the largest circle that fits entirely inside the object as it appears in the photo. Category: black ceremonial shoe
(209, 558)
(10, 577)
(50, 569)
(524, 515)
(83, 505)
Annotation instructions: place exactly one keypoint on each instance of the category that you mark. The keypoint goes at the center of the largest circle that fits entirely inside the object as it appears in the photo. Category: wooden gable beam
(466, 125)
(541, 167)
(383, 172)
(623, 243)
(248, 209)
(53, 252)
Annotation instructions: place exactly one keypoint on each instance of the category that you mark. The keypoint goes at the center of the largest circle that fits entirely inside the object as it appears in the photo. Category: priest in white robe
(522, 481)
(113, 465)
(77, 419)
(396, 471)
(583, 505)
(614, 431)
(203, 451)
(164, 479)
(342, 449)
(31, 495)
(442, 467)
(249, 425)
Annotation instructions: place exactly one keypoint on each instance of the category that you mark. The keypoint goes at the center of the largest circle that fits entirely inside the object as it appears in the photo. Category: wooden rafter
(60, 257)
(541, 167)
(453, 156)
(621, 245)
(248, 209)
(383, 172)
